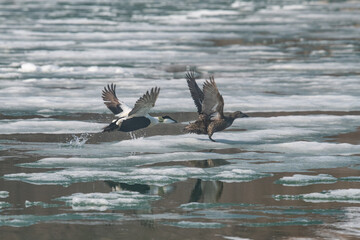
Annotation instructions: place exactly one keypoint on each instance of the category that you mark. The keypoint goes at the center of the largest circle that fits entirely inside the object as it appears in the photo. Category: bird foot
(212, 139)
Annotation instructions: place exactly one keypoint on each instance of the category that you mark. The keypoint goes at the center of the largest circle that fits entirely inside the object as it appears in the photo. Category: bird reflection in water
(140, 188)
(206, 191)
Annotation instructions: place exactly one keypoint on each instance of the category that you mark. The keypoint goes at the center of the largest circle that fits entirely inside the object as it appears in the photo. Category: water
(291, 170)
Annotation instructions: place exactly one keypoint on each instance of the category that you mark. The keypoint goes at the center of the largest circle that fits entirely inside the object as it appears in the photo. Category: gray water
(290, 170)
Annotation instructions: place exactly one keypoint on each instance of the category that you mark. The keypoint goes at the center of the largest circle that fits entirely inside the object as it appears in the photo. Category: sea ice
(4, 194)
(304, 180)
(338, 195)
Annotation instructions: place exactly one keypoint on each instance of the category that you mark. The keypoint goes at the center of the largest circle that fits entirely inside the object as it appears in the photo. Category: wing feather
(213, 104)
(111, 100)
(145, 103)
(196, 93)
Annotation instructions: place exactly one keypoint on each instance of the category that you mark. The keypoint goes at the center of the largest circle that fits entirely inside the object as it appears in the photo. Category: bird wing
(111, 100)
(213, 104)
(196, 93)
(145, 103)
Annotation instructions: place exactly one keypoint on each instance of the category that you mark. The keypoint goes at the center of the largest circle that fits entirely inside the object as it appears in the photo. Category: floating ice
(198, 205)
(168, 171)
(311, 148)
(158, 177)
(93, 69)
(190, 224)
(85, 218)
(41, 204)
(206, 13)
(294, 162)
(105, 201)
(4, 205)
(235, 175)
(338, 195)
(123, 161)
(349, 224)
(48, 178)
(28, 67)
(304, 180)
(350, 179)
(168, 143)
(292, 222)
(235, 238)
(4, 194)
(37, 125)
(243, 5)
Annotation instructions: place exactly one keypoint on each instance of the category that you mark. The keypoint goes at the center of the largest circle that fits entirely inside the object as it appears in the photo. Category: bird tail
(192, 128)
(186, 129)
(111, 127)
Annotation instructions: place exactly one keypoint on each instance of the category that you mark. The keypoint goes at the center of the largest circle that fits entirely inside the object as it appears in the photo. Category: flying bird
(130, 119)
(210, 106)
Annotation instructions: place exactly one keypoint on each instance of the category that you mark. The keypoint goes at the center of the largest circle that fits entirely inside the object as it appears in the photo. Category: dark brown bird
(210, 106)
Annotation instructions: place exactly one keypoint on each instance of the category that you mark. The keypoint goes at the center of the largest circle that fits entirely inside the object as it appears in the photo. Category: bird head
(239, 114)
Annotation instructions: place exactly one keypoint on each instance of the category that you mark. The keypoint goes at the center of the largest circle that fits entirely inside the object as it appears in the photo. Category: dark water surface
(289, 171)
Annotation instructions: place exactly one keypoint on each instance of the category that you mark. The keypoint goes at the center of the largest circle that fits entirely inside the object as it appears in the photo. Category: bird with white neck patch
(131, 119)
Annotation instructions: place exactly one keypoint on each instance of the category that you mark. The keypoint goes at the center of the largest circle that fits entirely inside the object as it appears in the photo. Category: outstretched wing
(213, 104)
(145, 103)
(111, 100)
(196, 93)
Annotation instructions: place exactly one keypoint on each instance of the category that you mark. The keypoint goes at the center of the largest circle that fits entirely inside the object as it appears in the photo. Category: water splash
(79, 141)
(133, 135)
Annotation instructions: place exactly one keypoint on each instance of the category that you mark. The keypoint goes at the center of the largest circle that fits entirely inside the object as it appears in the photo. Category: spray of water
(79, 141)
(140, 135)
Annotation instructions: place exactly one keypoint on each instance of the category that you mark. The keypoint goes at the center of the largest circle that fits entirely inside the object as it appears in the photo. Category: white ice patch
(4, 194)
(87, 218)
(122, 161)
(243, 5)
(234, 175)
(48, 178)
(311, 148)
(304, 180)
(349, 224)
(350, 178)
(319, 122)
(294, 162)
(236, 238)
(157, 177)
(4, 205)
(313, 66)
(125, 169)
(168, 143)
(351, 195)
(191, 224)
(207, 13)
(28, 67)
(168, 171)
(41, 204)
(105, 201)
(77, 96)
(39, 125)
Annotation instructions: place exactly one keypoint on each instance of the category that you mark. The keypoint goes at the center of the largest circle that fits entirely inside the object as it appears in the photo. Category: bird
(210, 106)
(130, 119)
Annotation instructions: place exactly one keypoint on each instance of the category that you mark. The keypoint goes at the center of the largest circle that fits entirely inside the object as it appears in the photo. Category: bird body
(210, 106)
(131, 119)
